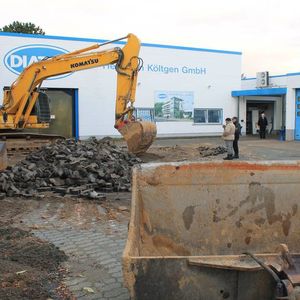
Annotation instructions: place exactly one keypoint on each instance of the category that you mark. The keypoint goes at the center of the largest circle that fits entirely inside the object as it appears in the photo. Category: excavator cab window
(42, 108)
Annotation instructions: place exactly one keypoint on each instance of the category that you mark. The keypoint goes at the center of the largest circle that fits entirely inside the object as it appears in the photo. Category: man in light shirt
(228, 137)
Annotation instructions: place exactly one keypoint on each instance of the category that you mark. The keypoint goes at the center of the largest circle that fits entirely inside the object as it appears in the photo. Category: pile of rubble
(83, 169)
(211, 151)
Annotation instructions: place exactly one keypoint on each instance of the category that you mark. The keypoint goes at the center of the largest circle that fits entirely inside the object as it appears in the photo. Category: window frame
(206, 116)
(150, 109)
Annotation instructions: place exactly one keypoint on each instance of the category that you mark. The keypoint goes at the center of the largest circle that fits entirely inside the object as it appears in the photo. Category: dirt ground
(31, 268)
(182, 153)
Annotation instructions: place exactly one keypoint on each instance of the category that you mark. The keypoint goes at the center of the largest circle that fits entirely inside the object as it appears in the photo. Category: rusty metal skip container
(214, 230)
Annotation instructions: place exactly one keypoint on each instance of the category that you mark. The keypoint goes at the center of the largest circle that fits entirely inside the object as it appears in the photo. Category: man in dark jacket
(262, 123)
(237, 134)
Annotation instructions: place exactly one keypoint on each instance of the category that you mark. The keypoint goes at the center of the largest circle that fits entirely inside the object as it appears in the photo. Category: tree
(158, 109)
(21, 27)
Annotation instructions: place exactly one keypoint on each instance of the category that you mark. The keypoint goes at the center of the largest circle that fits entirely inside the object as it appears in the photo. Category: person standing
(262, 123)
(228, 137)
(237, 134)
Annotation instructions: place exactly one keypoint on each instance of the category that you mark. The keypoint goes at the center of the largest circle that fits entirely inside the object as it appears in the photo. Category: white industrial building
(206, 84)
(278, 96)
(83, 103)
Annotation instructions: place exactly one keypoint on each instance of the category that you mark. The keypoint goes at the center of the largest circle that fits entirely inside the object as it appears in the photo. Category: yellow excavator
(26, 106)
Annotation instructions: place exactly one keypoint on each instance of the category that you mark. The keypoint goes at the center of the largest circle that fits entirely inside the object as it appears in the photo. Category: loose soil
(182, 153)
(29, 267)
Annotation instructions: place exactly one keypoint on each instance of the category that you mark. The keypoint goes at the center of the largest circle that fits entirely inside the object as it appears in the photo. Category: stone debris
(211, 151)
(84, 169)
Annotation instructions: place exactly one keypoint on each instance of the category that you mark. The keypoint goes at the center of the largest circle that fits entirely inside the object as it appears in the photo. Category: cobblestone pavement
(93, 237)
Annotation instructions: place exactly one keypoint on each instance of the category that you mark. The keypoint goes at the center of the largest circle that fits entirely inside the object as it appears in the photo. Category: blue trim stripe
(297, 118)
(260, 92)
(191, 49)
(53, 37)
(251, 78)
(275, 76)
(76, 114)
(293, 74)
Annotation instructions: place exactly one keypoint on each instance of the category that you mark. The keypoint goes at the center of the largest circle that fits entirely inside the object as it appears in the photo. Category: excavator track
(24, 145)
(15, 146)
(21, 141)
(11, 134)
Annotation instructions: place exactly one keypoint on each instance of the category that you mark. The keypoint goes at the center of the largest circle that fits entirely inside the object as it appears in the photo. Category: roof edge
(260, 92)
(54, 37)
(275, 76)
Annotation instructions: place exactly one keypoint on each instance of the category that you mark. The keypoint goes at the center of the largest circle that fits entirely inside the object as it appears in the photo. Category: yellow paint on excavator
(138, 135)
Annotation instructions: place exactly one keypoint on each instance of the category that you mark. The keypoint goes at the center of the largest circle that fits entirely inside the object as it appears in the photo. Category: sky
(266, 32)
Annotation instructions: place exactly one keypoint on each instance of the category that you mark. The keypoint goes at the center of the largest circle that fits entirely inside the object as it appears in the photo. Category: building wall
(242, 110)
(210, 75)
(274, 81)
(291, 81)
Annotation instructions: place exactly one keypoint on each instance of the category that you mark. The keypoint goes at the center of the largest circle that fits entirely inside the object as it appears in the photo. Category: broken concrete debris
(84, 169)
(211, 151)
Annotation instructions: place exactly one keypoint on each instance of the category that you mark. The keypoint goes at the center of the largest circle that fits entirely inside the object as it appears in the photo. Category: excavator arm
(19, 101)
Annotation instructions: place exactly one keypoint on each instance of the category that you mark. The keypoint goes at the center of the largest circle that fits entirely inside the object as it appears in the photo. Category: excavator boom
(17, 111)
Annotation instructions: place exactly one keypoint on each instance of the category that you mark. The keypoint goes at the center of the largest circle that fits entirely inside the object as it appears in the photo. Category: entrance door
(255, 116)
(249, 122)
(61, 105)
(297, 121)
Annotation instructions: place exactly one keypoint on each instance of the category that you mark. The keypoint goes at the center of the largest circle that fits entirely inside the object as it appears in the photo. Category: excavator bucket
(138, 135)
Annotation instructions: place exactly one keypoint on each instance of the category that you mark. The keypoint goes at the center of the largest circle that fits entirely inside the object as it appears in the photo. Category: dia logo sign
(19, 58)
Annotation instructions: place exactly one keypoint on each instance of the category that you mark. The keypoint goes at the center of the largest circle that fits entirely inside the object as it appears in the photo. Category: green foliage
(20, 27)
(158, 109)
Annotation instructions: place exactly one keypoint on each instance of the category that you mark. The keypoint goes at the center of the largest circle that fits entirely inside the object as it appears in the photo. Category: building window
(214, 116)
(144, 114)
(200, 115)
(208, 115)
